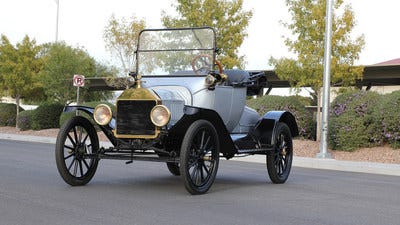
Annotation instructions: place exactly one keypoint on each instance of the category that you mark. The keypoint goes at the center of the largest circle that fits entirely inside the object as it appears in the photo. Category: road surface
(32, 192)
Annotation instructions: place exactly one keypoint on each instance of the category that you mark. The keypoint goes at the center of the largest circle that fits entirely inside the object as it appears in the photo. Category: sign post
(78, 81)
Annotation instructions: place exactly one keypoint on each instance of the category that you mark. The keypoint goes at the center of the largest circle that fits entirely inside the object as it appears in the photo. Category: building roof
(389, 63)
(381, 74)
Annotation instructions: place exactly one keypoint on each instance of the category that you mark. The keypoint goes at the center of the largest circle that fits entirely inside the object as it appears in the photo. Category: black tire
(173, 168)
(199, 157)
(77, 138)
(279, 162)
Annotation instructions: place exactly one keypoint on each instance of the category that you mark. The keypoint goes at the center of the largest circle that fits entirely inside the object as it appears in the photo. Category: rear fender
(192, 114)
(265, 127)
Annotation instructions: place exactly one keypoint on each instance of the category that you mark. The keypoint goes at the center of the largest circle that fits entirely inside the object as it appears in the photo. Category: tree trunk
(318, 119)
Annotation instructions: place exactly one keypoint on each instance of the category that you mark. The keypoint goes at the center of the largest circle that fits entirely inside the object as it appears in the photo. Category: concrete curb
(29, 138)
(327, 164)
(332, 164)
(39, 139)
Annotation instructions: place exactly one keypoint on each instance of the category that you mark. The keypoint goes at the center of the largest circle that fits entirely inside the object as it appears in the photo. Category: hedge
(8, 114)
(46, 116)
(388, 116)
(24, 119)
(353, 123)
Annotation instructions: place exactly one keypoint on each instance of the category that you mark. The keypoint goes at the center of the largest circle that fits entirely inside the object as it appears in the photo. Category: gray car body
(169, 70)
(228, 101)
(178, 108)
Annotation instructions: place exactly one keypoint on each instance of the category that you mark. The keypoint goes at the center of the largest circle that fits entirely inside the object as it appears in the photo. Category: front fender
(89, 111)
(192, 114)
(265, 127)
(71, 108)
(107, 129)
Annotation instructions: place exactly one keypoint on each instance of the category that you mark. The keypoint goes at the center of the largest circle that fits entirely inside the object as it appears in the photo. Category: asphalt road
(32, 192)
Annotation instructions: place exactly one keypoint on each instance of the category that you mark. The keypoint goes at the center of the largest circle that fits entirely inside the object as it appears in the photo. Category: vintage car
(182, 108)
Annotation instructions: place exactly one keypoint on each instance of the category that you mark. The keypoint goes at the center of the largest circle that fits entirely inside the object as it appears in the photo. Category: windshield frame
(213, 49)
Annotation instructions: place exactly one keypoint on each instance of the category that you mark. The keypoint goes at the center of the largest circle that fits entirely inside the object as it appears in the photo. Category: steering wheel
(202, 64)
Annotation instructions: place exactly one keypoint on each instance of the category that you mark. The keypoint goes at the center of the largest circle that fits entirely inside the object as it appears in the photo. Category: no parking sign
(79, 80)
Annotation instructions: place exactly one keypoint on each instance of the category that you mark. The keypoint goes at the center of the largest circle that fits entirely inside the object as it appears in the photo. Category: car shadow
(231, 176)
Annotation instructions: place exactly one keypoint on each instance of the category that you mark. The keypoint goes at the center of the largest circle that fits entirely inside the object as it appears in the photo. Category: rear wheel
(199, 157)
(75, 141)
(279, 162)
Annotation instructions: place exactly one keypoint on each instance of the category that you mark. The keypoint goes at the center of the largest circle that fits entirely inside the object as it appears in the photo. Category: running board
(255, 151)
(134, 157)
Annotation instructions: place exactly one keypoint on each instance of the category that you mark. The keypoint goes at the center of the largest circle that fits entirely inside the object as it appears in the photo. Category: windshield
(175, 52)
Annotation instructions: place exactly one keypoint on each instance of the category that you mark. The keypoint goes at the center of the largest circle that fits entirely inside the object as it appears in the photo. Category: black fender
(265, 127)
(107, 129)
(191, 114)
(87, 110)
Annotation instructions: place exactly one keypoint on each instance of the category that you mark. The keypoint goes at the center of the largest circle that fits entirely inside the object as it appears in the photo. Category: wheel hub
(80, 150)
(282, 148)
(206, 158)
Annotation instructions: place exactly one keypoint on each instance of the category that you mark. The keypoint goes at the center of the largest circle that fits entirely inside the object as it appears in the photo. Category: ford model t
(179, 107)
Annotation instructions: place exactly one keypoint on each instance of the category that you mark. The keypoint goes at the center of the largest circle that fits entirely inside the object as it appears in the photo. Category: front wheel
(279, 162)
(77, 140)
(199, 157)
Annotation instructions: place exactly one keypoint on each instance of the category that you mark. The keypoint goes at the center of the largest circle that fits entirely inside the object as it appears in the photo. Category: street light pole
(326, 82)
(58, 7)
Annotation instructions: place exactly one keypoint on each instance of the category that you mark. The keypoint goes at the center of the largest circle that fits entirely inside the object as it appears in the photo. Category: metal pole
(327, 81)
(77, 100)
(58, 7)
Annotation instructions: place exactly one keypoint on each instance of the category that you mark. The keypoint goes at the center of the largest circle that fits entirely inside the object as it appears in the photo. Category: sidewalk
(327, 164)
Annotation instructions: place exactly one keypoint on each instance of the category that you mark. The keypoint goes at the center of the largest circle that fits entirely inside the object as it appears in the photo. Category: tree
(307, 43)
(61, 62)
(227, 17)
(121, 39)
(19, 67)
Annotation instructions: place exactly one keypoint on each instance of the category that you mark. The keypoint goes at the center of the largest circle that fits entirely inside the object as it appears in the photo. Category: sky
(82, 22)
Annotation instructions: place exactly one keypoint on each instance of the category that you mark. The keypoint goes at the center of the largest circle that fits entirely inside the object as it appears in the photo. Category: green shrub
(8, 114)
(388, 115)
(293, 104)
(352, 122)
(66, 116)
(24, 119)
(47, 116)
